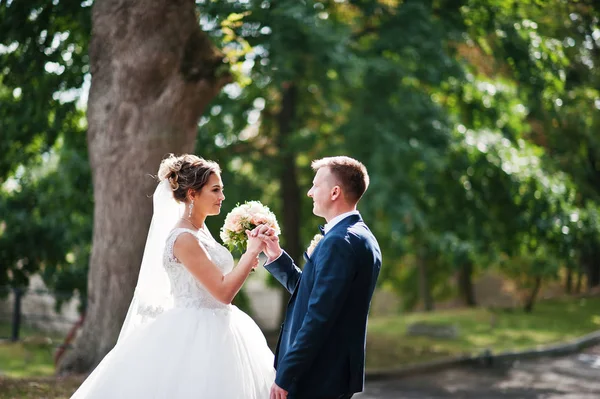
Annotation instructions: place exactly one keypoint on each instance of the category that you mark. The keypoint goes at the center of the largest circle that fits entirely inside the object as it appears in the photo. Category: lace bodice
(187, 291)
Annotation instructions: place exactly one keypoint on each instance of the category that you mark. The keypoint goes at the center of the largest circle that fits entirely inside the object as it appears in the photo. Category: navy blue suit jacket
(321, 348)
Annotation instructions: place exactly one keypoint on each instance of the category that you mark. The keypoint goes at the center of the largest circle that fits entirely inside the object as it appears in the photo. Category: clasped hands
(264, 239)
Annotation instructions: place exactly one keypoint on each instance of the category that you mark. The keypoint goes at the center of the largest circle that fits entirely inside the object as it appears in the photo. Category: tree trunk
(466, 284)
(153, 73)
(290, 191)
(593, 269)
(424, 281)
(569, 282)
(533, 295)
(579, 282)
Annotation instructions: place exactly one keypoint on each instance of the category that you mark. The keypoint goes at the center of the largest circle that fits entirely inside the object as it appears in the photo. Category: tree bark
(290, 191)
(153, 73)
(466, 284)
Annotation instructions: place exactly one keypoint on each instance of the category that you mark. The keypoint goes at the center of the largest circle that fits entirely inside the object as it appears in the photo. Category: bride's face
(210, 197)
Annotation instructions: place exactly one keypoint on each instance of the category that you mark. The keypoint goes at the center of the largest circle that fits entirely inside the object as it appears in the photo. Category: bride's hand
(269, 237)
(255, 245)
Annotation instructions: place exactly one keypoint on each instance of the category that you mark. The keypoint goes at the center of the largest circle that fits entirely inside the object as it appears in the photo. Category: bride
(182, 338)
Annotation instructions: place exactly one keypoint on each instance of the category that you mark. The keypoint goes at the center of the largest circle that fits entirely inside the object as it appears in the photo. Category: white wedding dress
(200, 348)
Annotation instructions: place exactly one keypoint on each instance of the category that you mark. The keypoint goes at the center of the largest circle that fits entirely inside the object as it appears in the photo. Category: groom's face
(320, 192)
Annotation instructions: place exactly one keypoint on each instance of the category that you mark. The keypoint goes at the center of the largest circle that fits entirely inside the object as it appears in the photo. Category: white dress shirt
(338, 219)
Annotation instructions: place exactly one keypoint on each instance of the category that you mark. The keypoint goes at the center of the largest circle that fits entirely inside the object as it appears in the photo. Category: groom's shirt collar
(338, 219)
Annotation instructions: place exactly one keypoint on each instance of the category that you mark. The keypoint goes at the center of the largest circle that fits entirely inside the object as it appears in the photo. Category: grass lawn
(26, 367)
(25, 359)
(37, 388)
(32, 356)
(498, 330)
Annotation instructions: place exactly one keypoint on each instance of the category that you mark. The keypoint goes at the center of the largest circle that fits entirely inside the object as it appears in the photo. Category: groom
(321, 348)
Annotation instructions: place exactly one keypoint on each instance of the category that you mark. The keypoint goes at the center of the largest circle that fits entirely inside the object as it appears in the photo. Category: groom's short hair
(351, 174)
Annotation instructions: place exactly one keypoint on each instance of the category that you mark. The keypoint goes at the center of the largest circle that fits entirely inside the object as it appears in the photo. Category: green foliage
(45, 193)
(47, 225)
(43, 54)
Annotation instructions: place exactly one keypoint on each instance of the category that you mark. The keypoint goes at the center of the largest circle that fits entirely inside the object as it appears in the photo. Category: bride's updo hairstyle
(186, 172)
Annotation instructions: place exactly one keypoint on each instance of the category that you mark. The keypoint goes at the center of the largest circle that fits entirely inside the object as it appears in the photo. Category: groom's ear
(336, 192)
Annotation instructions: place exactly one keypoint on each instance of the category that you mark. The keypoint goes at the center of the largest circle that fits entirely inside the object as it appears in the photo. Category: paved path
(572, 377)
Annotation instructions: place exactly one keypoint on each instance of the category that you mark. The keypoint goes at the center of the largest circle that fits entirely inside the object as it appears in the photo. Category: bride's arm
(223, 287)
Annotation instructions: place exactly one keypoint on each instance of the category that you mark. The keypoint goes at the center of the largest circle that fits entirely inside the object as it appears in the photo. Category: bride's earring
(191, 207)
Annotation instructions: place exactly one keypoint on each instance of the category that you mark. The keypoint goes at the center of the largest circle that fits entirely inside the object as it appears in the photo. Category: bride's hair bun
(186, 172)
(169, 169)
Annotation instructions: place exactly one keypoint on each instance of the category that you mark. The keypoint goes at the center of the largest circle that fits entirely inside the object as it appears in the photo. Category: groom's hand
(271, 240)
(277, 392)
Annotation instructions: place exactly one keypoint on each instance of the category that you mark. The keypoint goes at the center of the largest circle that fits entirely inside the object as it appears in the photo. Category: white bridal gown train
(200, 348)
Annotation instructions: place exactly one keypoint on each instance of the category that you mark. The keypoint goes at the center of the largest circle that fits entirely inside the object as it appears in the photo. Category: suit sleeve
(285, 271)
(335, 270)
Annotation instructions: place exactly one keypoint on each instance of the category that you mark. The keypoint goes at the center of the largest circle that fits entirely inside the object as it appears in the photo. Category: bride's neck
(196, 220)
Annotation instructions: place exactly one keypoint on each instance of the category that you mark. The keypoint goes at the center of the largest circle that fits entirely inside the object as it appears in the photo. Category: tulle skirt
(187, 353)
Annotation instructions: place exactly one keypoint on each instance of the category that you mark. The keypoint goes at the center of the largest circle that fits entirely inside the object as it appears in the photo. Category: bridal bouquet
(246, 217)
